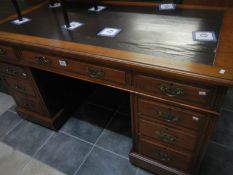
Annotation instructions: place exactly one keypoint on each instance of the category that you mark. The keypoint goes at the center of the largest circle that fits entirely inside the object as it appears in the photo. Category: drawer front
(20, 86)
(7, 53)
(89, 70)
(170, 90)
(29, 104)
(14, 71)
(167, 136)
(171, 115)
(166, 156)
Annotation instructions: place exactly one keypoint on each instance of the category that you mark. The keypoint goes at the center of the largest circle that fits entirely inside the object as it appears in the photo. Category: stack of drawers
(168, 132)
(20, 83)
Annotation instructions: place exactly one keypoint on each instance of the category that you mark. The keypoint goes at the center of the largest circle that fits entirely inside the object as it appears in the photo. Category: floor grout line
(100, 147)
(16, 125)
(88, 154)
(45, 142)
(9, 110)
(226, 109)
(100, 106)
(75, 137)
(222, 145)
(84, 160)
(124, 114)
(93, 144)
(12, 111)
(31, 159)
(33, 156)
(137, 171)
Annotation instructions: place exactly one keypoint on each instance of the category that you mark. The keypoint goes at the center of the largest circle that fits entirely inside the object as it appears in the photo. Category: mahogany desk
(176, 85)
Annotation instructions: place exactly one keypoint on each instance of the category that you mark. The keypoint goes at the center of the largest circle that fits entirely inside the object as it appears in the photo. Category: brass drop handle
(12, 71)
(171, 91)
(20, 88)
(165, 136)
(24, 74)
(15, 72)
(42, 60)
(168, 117)
(163, 156)
(2, 52)
(95, 73)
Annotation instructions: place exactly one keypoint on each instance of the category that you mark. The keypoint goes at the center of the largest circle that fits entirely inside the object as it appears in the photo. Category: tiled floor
(5, 102)
(95, 140)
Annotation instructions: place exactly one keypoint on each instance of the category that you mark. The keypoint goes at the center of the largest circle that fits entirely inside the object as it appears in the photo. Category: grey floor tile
(101, 162)
(217, 151)
(143, 172)
(212, 166)
(27, 137)
(35, 167)
(229, 99)
(218, 161)
(223, 132)
(117, 137)
(8, 120)
(64, 153)
(88, 122)
(125, 106)
(6, 101)
(107, 97)
(11, 161)
(3, 89)
(12, 108)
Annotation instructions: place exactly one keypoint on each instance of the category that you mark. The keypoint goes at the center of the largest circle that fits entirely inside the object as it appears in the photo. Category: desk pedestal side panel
(168, 140)
(172, 122)
(31, 103)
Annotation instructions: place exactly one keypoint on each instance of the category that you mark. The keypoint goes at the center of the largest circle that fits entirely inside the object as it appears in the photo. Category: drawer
(168, 136)
(7, 53)
(166, 156)
(171, 90)
(20, 86)
(30, 104)
(89, 70)
(171, 115)
(14, 71)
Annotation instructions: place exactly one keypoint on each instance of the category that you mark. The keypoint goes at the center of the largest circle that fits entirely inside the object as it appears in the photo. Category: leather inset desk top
(146, 30)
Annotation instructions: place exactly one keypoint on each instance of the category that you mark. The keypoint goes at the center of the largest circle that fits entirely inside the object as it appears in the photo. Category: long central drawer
(92, 71)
